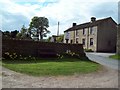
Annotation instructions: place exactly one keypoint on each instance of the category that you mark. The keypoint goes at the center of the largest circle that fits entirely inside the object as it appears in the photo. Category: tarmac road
(103, 59)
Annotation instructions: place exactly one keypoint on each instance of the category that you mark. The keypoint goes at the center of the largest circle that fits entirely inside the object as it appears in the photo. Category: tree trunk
(40, 36)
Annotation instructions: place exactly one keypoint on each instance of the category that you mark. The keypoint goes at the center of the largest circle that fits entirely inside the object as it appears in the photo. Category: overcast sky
(15, 13)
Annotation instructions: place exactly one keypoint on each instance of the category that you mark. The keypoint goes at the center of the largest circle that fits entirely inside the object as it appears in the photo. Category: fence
(37, 49)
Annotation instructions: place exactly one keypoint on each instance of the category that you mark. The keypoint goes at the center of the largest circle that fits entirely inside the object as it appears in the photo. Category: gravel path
(106, 78)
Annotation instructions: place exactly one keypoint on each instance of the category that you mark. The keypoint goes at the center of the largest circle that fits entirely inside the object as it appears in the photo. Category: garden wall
(37, 49)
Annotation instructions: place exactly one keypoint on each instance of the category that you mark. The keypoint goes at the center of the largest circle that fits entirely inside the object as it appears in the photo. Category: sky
(16, 13)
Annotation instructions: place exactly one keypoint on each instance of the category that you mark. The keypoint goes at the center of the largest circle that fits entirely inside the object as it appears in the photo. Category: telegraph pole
(58, 28)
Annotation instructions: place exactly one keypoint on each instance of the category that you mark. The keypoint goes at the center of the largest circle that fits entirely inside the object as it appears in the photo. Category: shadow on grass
(42, 60)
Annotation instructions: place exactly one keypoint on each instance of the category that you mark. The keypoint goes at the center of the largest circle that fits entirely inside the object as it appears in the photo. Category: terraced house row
(97, 35)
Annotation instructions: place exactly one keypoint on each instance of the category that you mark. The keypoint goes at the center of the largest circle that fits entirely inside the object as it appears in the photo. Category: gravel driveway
(106, 78)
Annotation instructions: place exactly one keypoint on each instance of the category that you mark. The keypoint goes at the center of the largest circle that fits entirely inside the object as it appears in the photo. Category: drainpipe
(74, 36)
(88, 39)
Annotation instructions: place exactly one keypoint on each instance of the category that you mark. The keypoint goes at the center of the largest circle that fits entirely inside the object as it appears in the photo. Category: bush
(88, 50)
(70, 54)
(14, 56)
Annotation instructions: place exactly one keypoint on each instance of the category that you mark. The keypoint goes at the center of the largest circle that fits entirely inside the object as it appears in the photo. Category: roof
(89, 24)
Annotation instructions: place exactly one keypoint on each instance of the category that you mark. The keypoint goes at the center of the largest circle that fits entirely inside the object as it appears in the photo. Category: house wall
(87, 37)
(81, 36)
(94, 36)
(118, 40)
(0, 45)
(64, 41)
(72, 37)
(107, 32)
(66, 36)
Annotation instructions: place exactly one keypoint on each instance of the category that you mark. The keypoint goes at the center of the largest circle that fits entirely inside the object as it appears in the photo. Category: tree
(14, 33)
(60, 38)
(38, 27)
(49, 39)
(8, 34)
(24, 33)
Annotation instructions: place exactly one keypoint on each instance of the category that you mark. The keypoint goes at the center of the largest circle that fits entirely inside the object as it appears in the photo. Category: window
(91, 30)
(77, 33)
(91, 41)
(83, 31)
(83, 41)
(76, 40)
(67, 35)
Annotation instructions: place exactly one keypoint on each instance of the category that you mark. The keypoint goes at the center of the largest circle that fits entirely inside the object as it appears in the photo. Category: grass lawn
(115, 57)
(55, 67)
(0, 62)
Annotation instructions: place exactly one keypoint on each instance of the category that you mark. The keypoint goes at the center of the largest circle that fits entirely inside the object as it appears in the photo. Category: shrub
(8, 55)
(14, 56)
(71, 54)
(88, 50)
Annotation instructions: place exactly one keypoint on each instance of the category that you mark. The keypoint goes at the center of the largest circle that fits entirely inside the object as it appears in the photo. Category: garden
(65, 64)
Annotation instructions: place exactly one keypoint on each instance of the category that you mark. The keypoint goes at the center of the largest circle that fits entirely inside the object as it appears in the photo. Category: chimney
(74, 24)
(93, 19)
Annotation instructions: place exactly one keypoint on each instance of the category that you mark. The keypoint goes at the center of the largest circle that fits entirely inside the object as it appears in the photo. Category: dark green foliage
(60, 38)
(88, 50)
(24, 34)
(38, 27)
(8, 34)
(14, 33)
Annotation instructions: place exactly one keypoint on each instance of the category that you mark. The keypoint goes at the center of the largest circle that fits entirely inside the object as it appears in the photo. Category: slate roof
(89, 24)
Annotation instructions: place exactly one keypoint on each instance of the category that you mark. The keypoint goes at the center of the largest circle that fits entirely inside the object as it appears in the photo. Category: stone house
(97, 35)
(118, 39)
(0, 44)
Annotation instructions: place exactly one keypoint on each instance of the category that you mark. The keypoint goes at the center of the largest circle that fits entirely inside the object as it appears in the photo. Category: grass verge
(53, 67)
(115, 57)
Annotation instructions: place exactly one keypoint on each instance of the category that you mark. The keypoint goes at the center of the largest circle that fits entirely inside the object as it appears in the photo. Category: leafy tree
(60, 38)
(49, 38)
(38, 27)
(6, 34)
(24, 33)
(14, 33)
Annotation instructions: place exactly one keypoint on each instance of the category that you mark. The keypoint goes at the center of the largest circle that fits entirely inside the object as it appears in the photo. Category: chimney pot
(93, 19)
(74, 24)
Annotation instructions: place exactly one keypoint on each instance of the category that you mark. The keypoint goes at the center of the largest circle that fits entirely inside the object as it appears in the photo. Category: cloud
(14, 23)
(15, 13)
(119, 12)
(107, 9)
